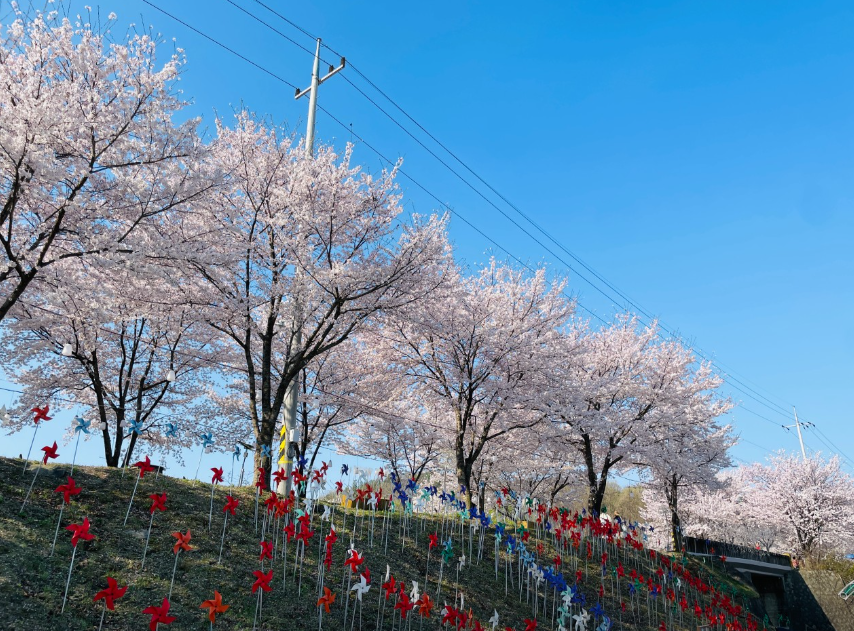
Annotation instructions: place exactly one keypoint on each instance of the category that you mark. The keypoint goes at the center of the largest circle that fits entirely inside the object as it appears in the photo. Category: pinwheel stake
(234, 456)
(216, 479)
(261, 585)
(109, 595)
(230, 504)
(432, 542)
(183, 543)
(78, 532)
(81, 426)
(171, 432)
(67, 491)
(40, 414)
(207, 442)
(158, 502)
(361, 588)
(144, 467)
(49, 452)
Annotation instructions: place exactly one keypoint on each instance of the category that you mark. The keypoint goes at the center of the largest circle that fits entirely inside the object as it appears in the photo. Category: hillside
(32, 582)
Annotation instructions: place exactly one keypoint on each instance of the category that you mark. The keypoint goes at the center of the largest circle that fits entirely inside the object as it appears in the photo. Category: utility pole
(290, 434)
(800, 436)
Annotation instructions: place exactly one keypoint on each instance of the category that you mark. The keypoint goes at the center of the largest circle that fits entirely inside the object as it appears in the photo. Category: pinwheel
(361, 588)
(230, 505)
(260, 485)
(449, 616)
(214, 607)
(266, 552)
(144, 467)
(425, 605)
(404, 605)
(581, 620)
(207, 443)
(78, 532)
(109, 595)
(447, 555)
(67, 490)
(183, 543)
(49, 452)
(40, 414)
(494, 619)
(159, 615)
(80, 426)
(215, 479)
(323, 602)
(158, 502)
(261, 585)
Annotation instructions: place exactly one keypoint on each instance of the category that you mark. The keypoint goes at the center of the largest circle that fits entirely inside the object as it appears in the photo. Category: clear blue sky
(697, 155)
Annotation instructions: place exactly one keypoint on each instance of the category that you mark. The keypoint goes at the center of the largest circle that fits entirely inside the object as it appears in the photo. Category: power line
(727, 377)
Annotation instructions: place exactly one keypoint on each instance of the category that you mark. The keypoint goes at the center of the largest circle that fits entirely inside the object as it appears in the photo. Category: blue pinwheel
(266, 451)
(597, 610)
(345, 470)
(171, 430)
(301, 462)
(207, 441)
(411, 485)
(134, 426)
(81, 426)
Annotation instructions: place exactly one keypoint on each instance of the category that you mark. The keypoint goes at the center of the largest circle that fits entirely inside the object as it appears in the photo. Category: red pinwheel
(111, 594)
(214, 606)
(217, 475)
(80, 531)
(433, 541)
(290, 530)
(183, 542)
(339, 486)
(261, 482)
(41, 414)
(49, 452)
(327, 599)
(279, 476)
(530, 625)
(158, 502)
(476, 626)
(144, 466)
(304, 534)
(298, 477)
(159, 615)
(266, 550)
(425, 605)
(450, 616)
(68, 490)
(354, 561)
(230, 504)
(390, 587)
(271, 502)
(262, 581)
(404, 605)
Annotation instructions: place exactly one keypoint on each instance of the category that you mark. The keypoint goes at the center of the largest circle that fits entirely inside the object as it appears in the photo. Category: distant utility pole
(800, 436)
(290, 435)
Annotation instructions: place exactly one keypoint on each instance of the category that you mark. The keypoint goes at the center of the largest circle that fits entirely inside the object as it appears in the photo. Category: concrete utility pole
(290, 434)
(797, 425)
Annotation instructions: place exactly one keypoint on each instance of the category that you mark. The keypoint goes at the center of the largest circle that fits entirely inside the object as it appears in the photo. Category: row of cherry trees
(152, 277)
(790, 503)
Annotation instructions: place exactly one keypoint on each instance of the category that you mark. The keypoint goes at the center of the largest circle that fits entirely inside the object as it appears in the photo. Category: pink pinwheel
(79, 531)
(67, 490)
(159, 615)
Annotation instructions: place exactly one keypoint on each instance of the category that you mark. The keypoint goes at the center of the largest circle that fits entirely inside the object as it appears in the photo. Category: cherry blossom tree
(90, 157)
(98, 342)
(303, 251)
(612, 389)
(813, 496)
(478, 346)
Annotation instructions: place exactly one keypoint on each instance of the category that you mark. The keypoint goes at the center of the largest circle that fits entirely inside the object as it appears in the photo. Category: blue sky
(696, 155)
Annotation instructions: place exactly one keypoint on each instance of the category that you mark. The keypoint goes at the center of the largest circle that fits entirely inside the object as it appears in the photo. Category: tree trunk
(675, 524)
(596, 481)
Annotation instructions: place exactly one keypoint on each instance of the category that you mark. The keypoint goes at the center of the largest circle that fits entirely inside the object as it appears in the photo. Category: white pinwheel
(494, 619)
(413, 593)
(462, 562)
(581, 620)
(327, 514)
(372, 502)
(362, 587)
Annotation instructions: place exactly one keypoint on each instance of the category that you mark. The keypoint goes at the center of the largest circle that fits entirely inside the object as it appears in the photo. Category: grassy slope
(32, 583)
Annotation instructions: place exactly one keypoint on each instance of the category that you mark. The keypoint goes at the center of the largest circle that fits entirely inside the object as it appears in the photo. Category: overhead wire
(728, 377)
